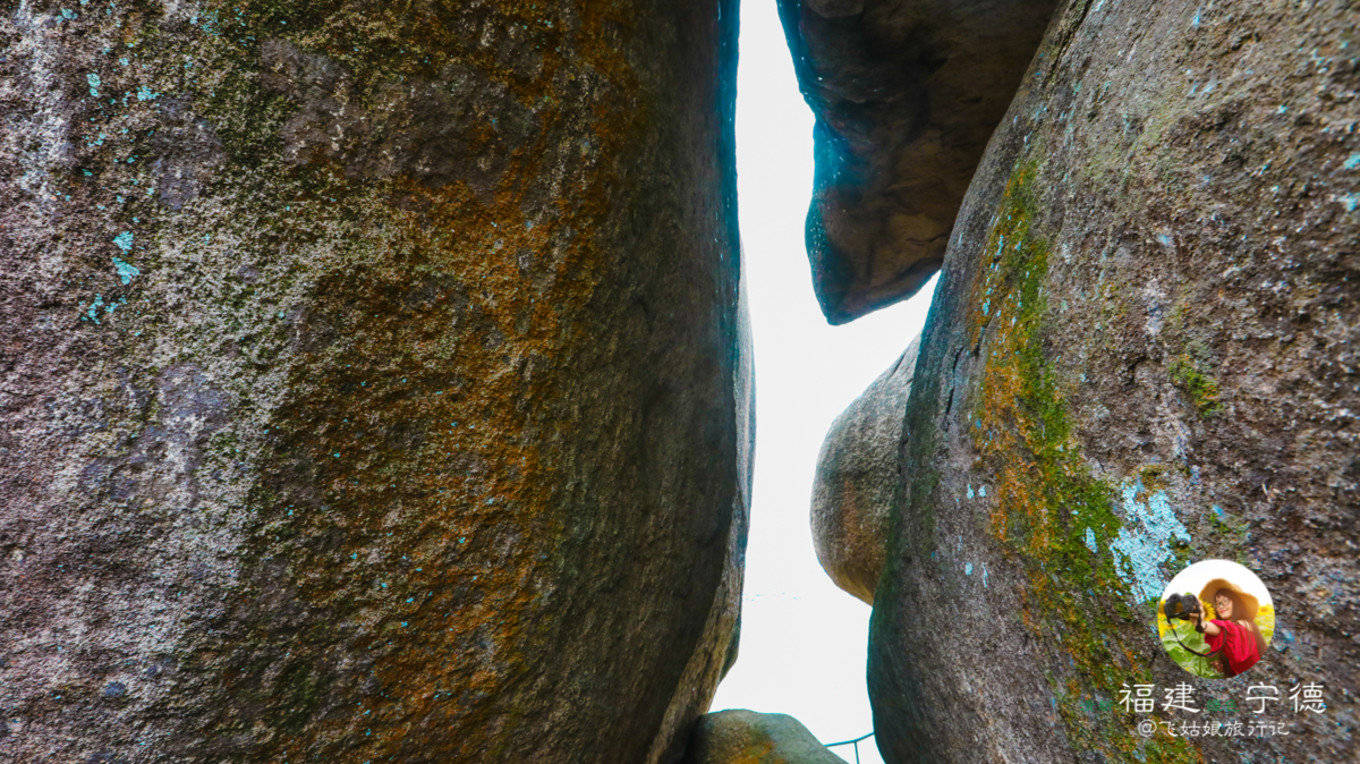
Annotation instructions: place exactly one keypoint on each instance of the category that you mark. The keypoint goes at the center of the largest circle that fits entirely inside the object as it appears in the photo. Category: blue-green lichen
(1144, 543)
(126, 271)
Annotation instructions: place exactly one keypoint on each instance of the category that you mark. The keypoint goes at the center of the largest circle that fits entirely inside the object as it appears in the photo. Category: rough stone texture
(852, 494)
(906, 93)
(1143, 351)
(738, 736)
(372, 379)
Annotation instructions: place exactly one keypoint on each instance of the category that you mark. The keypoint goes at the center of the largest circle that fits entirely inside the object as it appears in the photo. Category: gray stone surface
(1142, 352)
(738, 736)
(857, 480)
(373, 383)
(906, 93)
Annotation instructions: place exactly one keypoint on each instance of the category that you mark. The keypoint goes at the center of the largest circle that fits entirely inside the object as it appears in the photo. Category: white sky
(803, 640)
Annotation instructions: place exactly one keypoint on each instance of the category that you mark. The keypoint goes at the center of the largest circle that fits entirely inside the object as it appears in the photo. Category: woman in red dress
(1233, 636)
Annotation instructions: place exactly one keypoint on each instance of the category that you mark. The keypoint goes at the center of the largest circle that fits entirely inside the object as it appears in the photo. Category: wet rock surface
(1142, 353)
(374, 382)
(906, 94)
(853, 492)
(740, 736)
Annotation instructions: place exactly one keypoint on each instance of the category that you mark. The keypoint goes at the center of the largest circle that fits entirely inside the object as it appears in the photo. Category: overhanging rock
(906, 94)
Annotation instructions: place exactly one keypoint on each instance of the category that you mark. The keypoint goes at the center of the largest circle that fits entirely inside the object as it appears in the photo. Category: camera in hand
(1182, 606)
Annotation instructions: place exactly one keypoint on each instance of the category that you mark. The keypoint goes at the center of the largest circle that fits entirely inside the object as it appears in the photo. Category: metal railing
(854, 742)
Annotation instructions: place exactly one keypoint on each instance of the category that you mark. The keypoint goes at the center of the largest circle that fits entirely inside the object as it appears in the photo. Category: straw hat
(1245, 606)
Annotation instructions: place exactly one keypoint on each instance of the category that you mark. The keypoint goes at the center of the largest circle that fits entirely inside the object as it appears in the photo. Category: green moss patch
(1051, 514)
(1202, 389)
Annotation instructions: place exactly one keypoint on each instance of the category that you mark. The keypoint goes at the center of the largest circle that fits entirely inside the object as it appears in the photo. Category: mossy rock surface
(1141, 354)
(374, 379)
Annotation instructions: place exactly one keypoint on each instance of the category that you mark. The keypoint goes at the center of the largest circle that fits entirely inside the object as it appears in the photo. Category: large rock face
(905, 93)
(372, 379)
(1142, 352)
(856, 482)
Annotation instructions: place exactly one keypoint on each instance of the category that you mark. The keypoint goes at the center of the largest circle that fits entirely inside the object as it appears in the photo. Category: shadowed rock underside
(906, 94)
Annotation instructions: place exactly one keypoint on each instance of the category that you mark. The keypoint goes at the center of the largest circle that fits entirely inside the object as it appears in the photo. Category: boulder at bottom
(738, 735)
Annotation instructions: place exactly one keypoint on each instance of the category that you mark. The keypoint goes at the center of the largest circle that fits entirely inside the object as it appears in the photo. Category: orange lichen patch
(1005, 243)
(1027, 618)
(492, 426)
(458, 461)
(1004, 426)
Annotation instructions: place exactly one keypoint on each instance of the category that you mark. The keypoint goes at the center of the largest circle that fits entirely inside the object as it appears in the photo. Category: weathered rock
(1143, 351)
(371, 382)
(852, 494)
(738, 736)
(906, 93)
